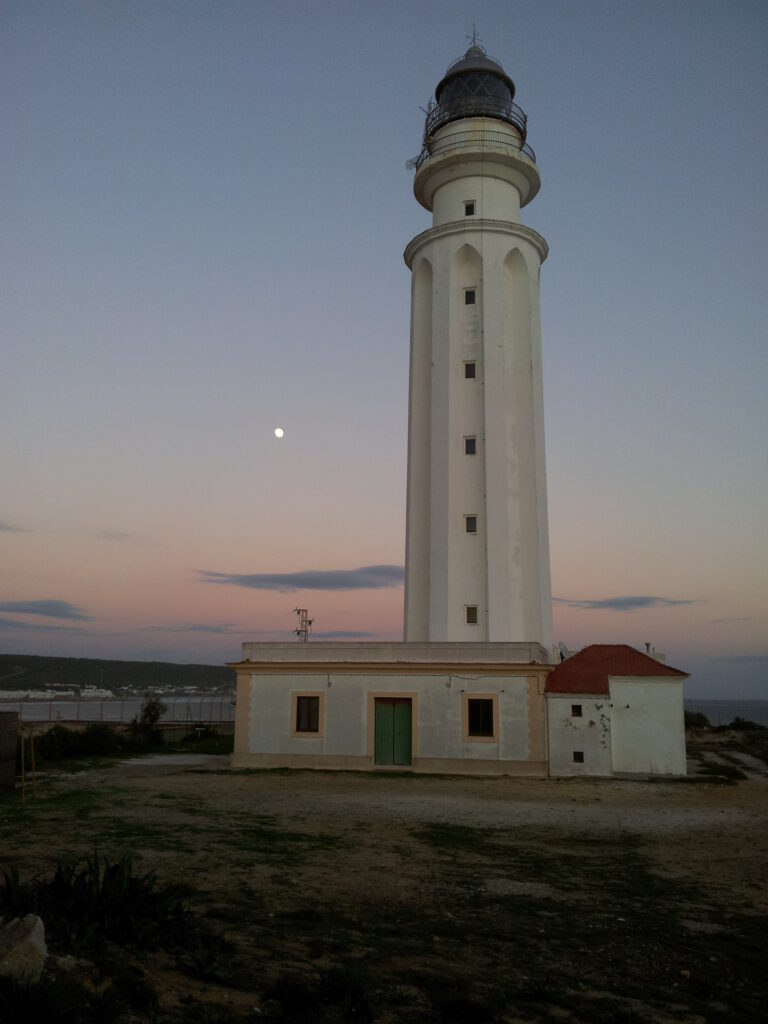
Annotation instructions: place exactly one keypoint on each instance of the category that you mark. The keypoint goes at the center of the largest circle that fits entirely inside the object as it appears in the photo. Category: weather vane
(475, 37)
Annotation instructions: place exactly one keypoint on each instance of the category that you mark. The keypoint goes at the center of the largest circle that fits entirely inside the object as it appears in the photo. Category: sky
(203, 210)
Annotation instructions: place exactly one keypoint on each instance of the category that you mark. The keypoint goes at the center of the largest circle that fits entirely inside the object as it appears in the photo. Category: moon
(279, 431)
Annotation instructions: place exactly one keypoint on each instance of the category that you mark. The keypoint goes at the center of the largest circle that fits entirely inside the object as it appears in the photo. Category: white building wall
(647, 726)
(589, 734)
(438, 707)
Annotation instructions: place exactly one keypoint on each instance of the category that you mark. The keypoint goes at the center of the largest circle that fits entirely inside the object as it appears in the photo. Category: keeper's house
(449, 707)
(482, 708)
(614, 711)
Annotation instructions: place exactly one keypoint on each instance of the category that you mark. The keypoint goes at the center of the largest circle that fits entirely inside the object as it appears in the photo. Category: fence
(203, 709)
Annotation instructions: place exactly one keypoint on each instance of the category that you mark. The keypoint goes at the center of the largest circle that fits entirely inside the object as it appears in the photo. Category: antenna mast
(305, 625)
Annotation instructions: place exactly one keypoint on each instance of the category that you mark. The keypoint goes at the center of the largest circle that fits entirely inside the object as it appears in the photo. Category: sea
(723, 712)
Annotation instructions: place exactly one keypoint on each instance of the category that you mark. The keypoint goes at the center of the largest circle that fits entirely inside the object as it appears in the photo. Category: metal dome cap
(475, 61)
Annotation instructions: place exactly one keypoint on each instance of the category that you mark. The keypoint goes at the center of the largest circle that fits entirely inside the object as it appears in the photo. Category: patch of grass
(450, 838)
(87, 906)
(207, 745)
(730, 758)
(261, 837)
(60, 999)
(689, 780)
(60, 747)
(455, 1003)
(195, 1012)
(136, 832)
(204, 739)
(755, 743)
(338, 995)
(727, 772)
(208, 957)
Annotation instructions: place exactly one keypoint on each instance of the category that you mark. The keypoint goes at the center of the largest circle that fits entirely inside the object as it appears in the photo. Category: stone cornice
(453, 668)
(456, 227)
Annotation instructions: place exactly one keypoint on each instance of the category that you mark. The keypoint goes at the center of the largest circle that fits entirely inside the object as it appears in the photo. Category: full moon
(278, 431)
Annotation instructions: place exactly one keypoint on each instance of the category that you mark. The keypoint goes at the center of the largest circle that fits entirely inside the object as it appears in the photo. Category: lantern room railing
(475, 106)
(482, 140)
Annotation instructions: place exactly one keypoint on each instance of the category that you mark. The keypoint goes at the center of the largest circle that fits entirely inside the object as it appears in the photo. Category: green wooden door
(392, 724)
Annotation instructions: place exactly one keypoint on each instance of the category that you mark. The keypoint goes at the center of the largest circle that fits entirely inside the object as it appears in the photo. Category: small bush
(86, 906)
(340, 994)
(152, 710)
(144, 731)
(743, 725)
(57, 744)
(99, 740)
(50, 999)
(60, 743)
(696, 720)
(728, 772)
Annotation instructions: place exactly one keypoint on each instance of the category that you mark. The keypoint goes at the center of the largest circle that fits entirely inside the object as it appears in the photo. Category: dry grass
(330, 897)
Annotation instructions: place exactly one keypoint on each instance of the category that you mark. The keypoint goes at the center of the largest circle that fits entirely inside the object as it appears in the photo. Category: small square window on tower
(471, 610)
(470, 370)
(470, 446)
(470, 524)
(575, 710)
(469, 208)
(469, 296)
(578, 757)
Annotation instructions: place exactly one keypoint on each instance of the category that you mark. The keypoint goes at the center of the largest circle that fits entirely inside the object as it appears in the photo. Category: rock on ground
(22, 948)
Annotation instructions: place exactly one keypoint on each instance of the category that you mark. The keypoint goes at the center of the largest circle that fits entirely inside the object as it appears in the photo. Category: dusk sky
(203, 211)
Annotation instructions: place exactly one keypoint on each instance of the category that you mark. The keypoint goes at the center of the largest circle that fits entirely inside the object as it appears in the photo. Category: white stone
(22, 948)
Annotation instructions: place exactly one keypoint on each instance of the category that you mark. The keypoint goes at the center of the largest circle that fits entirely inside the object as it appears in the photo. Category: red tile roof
(589, 670)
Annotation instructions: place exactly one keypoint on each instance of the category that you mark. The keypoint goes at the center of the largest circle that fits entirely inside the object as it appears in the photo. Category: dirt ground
(438, 899)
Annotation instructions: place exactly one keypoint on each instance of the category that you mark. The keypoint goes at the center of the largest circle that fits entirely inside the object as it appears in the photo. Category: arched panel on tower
(465, 303)
(524, 436)
(419, 472)
(517, 313)
(509, 472)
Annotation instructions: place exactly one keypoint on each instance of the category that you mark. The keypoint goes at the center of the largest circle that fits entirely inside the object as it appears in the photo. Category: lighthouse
(473, 689)
(477, 544)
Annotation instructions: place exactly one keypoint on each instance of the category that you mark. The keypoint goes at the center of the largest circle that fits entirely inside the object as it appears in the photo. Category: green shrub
(86, 906)
(51, 999)
(144, 731)
(58, 743)
(743, 725)
(696, 720)
(99, 740)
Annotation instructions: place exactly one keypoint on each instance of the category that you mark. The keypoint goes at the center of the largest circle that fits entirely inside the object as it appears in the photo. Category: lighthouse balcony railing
(475, 106)
(484, 140)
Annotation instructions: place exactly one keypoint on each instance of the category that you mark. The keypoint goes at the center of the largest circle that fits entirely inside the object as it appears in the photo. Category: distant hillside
(29, 672)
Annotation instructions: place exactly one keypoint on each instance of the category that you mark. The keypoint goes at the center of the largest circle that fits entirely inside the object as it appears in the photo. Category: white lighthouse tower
(477, 545)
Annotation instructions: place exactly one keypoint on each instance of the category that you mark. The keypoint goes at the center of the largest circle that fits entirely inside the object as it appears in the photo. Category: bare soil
(387, 897)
